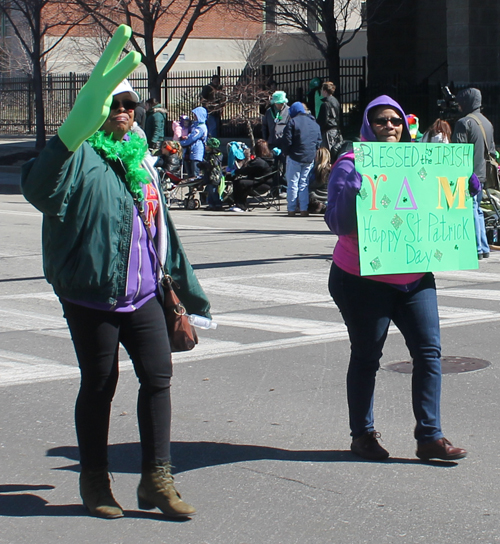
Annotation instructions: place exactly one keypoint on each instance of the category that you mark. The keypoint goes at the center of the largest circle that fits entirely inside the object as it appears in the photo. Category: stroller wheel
(191, 204)
(197, 203)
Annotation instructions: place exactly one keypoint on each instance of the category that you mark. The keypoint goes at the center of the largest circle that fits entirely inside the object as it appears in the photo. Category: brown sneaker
(367, 446)
(440, 449)
(304, 213)
(291, 214)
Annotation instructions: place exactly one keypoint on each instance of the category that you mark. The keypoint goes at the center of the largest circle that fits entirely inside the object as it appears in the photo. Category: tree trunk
(37, 82)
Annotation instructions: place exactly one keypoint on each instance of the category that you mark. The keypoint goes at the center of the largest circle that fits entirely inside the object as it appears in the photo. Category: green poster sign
(414, 209)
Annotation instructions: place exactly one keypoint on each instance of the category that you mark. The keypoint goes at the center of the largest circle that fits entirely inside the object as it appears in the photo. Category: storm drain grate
(449, 365)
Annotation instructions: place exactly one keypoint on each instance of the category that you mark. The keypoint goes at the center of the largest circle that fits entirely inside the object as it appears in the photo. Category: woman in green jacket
(90, 183)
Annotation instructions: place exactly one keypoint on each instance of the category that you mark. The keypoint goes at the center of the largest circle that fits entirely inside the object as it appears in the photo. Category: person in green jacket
(156, 116)
(90, 182)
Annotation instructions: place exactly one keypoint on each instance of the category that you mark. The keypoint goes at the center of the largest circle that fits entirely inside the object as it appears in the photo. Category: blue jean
(193, 170)
(368, 307)
(481, 240)
(297, 177)
(213, 198)
(96, 336)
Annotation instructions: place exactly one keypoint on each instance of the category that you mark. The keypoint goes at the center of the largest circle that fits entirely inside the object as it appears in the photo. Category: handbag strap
(146, 223)
(478, 121)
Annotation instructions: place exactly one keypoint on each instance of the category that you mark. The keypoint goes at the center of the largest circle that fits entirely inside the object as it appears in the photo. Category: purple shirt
(142, 281)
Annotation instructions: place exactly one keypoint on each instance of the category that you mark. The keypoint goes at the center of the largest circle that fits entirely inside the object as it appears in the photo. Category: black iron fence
(181, 93)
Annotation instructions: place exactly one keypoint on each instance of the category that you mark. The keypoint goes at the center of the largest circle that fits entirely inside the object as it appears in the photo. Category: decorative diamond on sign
(359, 155)
(363, 194)
(385, 201)
(422, 173)
(438, 255)
(376, 264)
(396, 221)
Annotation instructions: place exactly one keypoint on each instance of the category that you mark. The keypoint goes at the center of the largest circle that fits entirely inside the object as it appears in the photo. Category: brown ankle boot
(95, 490)
(157, 489)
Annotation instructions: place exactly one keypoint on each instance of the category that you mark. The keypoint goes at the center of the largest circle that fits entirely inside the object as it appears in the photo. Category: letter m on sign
(444, 186)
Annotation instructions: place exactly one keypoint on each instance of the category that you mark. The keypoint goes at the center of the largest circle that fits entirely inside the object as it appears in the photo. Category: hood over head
(296, 108)
(469, 100)
(367, 133)
(201, 114)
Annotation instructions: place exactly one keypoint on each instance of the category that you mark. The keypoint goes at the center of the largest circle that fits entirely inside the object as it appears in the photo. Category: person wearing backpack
(469, 130)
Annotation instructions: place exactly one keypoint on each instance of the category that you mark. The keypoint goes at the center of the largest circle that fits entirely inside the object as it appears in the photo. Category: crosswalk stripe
(18, 368)
(478, 294)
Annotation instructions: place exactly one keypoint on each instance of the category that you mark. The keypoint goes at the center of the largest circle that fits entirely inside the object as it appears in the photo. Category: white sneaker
(235, 209)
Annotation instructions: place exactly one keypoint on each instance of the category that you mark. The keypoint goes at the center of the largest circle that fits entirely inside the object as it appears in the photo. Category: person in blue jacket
(301, 139)
(196, 141)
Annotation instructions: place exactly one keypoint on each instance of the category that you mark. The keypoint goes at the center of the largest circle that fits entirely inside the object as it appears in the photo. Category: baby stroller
(190, 200)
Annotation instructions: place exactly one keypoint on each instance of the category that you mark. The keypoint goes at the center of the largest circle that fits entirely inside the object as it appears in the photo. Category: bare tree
(145, 17)
(87, 49)
(328, 24)
(257, 52)
(32, 22)
(244, 100)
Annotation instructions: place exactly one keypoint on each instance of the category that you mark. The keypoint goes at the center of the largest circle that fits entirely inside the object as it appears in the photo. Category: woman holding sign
(368, 305)
(96, 185)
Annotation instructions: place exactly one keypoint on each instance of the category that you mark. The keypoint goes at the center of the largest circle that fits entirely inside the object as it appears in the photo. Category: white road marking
(18, 368)
(14, 212)
(478, 294)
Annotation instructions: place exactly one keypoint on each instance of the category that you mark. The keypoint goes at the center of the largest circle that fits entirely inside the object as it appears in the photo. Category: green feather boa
(131, 152)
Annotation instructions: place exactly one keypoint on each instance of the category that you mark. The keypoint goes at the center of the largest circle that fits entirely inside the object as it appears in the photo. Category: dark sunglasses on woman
(127, 104)
(382, 121)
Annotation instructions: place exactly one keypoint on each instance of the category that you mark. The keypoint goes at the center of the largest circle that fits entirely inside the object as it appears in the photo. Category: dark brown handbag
(181, 333)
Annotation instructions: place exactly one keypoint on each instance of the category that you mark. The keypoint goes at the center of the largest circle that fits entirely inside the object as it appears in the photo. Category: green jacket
(87, 227)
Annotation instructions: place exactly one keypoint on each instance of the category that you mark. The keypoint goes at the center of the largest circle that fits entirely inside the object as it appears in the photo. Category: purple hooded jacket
(343, 186)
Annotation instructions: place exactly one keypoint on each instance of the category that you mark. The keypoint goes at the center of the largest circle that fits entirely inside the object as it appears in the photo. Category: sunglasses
(382, 121)
(127, 104)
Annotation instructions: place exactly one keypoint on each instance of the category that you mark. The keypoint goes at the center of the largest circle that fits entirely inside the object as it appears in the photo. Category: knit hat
(279, 97)
(296, 108)
(214, 143)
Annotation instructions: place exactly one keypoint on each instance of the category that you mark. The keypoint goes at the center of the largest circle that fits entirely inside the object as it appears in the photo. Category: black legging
(96, 336)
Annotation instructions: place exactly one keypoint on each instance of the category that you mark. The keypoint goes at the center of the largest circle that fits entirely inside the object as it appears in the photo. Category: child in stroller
(169, 165)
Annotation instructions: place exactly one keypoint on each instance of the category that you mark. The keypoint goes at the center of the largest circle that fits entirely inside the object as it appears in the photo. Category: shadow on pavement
(13, 503)
(186, 456)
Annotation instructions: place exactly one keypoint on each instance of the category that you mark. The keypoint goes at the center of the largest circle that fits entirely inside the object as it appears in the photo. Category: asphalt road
(260, 433)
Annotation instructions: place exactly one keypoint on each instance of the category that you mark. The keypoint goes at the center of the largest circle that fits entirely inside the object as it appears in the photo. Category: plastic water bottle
(201, 322)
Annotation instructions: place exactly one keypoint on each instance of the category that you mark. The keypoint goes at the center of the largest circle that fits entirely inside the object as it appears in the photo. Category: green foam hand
(92, 104)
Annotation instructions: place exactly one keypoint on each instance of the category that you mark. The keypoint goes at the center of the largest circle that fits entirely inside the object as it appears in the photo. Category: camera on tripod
(448, 106)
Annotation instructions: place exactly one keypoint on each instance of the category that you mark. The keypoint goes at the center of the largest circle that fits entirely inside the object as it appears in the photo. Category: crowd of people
(297, 148)
(97, 173)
